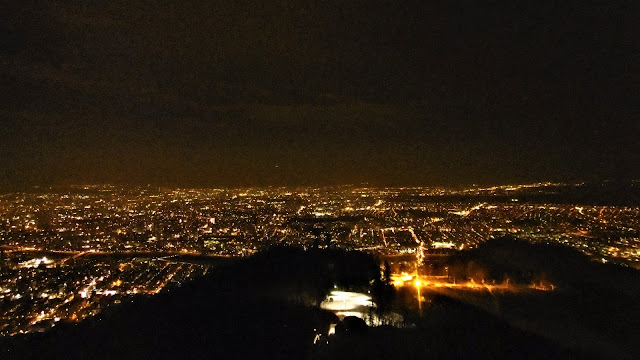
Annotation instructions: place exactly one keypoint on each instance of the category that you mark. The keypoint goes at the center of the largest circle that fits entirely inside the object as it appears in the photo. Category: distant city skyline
(69, 252)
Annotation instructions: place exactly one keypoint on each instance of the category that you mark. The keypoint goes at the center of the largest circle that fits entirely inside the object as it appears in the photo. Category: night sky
(240, 93)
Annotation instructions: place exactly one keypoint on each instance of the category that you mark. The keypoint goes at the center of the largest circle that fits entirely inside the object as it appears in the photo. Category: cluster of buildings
(69, 252)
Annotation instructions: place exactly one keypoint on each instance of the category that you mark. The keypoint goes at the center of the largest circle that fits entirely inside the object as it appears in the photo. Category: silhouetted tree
(383, 292)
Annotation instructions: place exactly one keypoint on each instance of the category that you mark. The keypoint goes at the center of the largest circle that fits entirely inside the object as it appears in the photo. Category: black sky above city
(239, 93)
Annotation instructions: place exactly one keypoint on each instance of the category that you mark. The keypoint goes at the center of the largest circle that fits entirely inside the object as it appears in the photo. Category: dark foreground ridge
(265, 307)
(595, 306)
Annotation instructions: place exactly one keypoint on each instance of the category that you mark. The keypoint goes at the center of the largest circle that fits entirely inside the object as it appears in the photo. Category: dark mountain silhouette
(265, 307)
(450, 330)
(594, 307)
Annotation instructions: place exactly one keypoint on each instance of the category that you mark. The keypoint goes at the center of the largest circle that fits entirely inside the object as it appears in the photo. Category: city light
(79, 249)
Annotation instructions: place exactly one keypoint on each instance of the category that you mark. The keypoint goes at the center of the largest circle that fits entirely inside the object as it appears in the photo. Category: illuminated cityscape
(318, 180)
(69, 252)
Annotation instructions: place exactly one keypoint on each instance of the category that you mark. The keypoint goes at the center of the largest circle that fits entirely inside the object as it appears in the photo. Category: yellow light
(418, 283)
(332, 329)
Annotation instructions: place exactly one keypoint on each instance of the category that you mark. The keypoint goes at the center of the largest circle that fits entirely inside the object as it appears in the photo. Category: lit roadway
(76, 254)
(435, 282)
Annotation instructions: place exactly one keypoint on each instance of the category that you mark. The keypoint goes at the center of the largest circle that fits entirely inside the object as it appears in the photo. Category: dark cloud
(297, 92)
